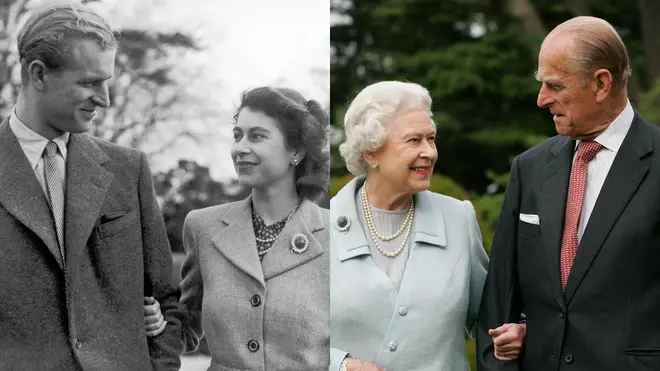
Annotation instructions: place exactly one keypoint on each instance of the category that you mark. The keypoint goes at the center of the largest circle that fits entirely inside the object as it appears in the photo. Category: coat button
(568, 358)
(561, 315)
(403, 310)
(255, 301)
(253, 346)
(392, 346)
(77, 343)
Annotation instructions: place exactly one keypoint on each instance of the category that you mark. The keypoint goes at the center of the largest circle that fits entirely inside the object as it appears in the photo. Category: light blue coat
(422, 326)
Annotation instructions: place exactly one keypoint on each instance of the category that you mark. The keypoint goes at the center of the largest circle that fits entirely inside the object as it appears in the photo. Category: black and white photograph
(164, 181)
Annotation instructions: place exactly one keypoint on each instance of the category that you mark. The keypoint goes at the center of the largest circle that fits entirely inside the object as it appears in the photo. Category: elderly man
(577, 246)
(81, 234)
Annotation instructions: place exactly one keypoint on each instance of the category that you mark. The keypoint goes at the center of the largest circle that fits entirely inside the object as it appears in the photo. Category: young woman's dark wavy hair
(305, 126)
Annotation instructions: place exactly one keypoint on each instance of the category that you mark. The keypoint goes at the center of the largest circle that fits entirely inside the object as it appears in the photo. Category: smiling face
(260, 153)
(571, 101)
(70, 97)
(408, 155)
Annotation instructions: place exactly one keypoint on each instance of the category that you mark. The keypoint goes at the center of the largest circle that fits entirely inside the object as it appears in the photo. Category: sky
(247, 43)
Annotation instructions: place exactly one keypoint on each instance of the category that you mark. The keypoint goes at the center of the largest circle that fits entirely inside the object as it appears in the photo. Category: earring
(374, 165)
(294, 162)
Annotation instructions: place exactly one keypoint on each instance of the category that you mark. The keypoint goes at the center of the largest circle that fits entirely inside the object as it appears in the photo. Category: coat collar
(428, 223)
(235, 239)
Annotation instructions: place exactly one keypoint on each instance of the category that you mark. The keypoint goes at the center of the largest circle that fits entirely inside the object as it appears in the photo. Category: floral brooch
(299, 243)
(343, 223)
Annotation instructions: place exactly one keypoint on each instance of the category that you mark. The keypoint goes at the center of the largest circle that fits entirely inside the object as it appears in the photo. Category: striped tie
(55, 192)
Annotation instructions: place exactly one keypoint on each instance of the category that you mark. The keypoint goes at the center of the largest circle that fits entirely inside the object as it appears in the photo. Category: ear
(300, 154)
(37, 72)
(369, 157)
(602, 84)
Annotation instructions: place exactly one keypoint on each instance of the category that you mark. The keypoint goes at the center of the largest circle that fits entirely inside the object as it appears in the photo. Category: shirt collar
(33, 144)
(615, 133)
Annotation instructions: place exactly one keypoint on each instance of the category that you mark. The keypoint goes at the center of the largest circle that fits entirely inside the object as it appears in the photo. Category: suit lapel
(20, 192)
(236, 240)
(556, 176)
(353, 242)
(626, 174)
(86, 186)
(307, 221)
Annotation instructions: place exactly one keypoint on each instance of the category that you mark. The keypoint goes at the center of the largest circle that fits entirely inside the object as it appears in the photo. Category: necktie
(587, 150)
(55, 192)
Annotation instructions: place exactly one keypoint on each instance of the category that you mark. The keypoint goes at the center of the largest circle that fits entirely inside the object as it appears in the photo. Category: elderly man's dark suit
(608, 319)
(91, 316)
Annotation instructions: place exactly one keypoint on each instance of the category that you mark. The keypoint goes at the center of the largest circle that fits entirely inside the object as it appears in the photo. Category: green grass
(471, 354)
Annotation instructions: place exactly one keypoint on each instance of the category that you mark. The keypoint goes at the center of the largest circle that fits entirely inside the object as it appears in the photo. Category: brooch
(343, 223)
(299, 243)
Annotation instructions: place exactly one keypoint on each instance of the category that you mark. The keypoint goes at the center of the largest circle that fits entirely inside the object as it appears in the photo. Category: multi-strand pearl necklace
(375, 236)
(270, 240)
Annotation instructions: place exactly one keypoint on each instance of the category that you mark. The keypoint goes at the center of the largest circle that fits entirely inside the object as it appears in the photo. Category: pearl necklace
(269, 240)
(375, 236)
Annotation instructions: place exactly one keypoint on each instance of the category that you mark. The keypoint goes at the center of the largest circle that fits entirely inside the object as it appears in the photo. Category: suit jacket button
(255, 301)
(392, 346)
(568, 358)
(403, 310)
(77, 343)
(253, 346)
(561, 315)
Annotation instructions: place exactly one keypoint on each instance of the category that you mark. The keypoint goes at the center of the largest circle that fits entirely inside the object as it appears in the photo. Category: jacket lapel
(20, 192)
(626, 174)
(429, 225)
(87, 184)
(236, 240)
(308, 221)
(554, 190)
(353, 242)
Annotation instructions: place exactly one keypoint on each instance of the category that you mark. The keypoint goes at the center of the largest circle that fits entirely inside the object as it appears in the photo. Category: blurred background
(477, 58)
(180, 71)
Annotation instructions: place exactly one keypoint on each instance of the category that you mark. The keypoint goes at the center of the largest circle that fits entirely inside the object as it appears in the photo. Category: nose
(429, 151)
(102, 96)
(240, 147)
(545, 98)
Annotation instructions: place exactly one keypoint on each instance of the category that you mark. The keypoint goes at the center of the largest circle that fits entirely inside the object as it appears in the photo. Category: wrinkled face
(571, 102)
(408, 155)
(260, 153)
(71, 97)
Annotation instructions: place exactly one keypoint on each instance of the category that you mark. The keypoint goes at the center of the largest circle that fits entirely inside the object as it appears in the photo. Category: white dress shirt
(611, 140)
(33, 146)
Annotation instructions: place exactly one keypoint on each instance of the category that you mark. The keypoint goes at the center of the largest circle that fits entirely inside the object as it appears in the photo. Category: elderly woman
(407, 265)
(255, 276)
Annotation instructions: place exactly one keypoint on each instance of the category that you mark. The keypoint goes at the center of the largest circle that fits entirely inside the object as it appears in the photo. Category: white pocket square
(530, 218)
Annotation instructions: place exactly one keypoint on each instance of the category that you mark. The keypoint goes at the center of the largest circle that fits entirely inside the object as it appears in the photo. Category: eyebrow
(253, 129)
(550, 80)
(93, 78)
(411, 133)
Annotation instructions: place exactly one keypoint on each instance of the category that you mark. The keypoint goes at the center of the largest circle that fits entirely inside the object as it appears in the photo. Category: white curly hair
(366, 118)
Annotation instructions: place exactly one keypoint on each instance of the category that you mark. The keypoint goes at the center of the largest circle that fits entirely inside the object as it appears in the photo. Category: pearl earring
(374, 165)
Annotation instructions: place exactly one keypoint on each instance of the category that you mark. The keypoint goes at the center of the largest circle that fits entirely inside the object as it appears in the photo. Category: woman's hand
(153, 319)
(357, 365)
(508, 340)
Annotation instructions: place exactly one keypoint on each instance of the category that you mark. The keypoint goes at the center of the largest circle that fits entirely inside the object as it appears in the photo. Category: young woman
(255, 278)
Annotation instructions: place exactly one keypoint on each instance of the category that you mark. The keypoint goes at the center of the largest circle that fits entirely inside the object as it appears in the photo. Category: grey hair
(366, 118)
